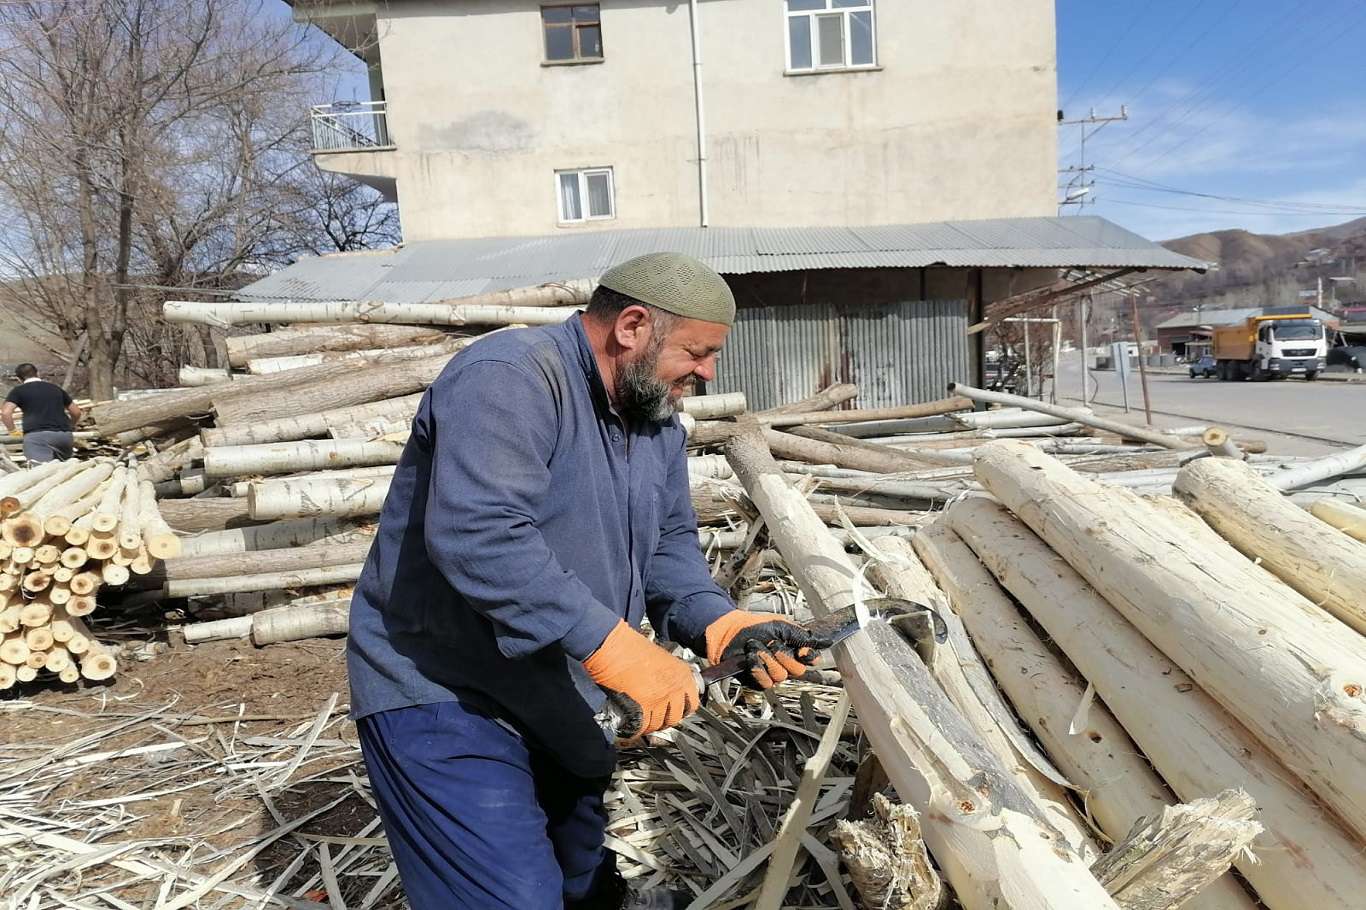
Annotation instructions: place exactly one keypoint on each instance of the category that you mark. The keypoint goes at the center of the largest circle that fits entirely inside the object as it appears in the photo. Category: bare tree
(157, 143)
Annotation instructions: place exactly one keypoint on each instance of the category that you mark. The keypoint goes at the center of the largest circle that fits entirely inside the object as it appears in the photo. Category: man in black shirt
(49, 414)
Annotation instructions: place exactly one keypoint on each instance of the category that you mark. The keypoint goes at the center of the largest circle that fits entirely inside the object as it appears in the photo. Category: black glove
(773, 648)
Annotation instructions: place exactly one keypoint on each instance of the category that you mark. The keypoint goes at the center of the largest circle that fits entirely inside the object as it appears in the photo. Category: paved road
(1294, 416)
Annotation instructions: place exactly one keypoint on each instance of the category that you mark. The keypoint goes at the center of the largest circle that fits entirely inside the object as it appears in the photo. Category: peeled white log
(305, 455)
(305, 426)
(274, 499)
(294, 623)
(157, 536)
(994, 849)
(1170, 858)
(1277, 662)
(129, 531)
(200, 376)
(274, 536)
(1305, 857)
(1117, 784)
(1220, 443)
(1007, 418)
(707, 407)
(202, 587)
(1078, 415)
(25, 497)
(1320, 469)
(1325, 566)
(227, 313)
(306, 339)
(964, 678)
(15, 481)
(1349, 519)
(217, 630)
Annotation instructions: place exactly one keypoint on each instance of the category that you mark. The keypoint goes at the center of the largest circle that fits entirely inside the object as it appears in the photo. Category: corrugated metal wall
(897, 353)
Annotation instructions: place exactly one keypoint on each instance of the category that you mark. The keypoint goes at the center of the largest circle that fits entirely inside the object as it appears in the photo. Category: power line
(1128, 181)
(1297, 62)
(1202, 92)
(1140, 10)
(1244, 212)
(1129, 72)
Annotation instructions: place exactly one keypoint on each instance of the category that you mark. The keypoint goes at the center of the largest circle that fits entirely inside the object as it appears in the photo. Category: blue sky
(1261, 103)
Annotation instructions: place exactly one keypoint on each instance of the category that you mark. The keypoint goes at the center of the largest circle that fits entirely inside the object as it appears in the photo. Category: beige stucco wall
(958, 123)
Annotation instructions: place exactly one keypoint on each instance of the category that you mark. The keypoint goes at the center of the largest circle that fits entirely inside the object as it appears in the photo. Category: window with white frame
(830, 34)
(585, 195)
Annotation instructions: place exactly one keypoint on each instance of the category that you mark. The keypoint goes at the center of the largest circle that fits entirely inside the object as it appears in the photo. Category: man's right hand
(659, 689)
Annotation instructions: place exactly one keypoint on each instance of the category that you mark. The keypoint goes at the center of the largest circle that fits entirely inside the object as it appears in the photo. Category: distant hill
(1264, 269)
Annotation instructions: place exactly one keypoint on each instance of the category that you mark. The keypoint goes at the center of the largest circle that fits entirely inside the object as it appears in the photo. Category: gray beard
(642, 396)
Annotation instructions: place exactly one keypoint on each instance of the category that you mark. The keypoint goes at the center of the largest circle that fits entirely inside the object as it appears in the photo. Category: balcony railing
(348, 126)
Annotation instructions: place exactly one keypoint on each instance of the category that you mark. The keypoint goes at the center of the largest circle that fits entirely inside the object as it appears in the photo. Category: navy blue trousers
(476, 819)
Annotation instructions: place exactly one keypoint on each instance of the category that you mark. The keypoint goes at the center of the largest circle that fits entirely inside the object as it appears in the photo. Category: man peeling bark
(539, 512)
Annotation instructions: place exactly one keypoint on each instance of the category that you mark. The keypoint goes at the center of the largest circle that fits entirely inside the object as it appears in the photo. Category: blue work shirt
(525, 518)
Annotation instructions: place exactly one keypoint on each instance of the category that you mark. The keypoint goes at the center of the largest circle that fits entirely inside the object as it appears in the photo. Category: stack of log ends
(1327, 567)
(1272, 658)
(1170, 857)
(1347, 518)
(80, 525)
(886, 858)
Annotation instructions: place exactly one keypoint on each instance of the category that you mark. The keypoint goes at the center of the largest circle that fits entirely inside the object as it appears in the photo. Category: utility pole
(1076, 190)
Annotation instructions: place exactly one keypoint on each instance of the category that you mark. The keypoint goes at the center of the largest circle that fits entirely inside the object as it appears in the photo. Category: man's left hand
(773, 647)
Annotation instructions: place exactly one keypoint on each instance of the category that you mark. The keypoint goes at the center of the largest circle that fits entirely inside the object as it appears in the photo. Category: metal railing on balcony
(346, 126)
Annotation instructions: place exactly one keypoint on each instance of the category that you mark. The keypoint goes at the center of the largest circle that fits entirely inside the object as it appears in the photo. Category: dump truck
(1271, 347)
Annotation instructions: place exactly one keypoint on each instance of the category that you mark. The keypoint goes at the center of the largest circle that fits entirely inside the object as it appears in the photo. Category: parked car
(1205, 367)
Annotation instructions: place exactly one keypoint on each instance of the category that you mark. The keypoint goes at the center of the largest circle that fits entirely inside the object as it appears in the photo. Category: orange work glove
(658, 689)
(774, 648)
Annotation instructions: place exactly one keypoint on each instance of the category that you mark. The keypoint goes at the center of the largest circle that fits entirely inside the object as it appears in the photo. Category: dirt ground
(233, 770)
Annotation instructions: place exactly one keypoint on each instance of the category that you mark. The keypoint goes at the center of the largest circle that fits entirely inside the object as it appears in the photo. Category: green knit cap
(674, 282)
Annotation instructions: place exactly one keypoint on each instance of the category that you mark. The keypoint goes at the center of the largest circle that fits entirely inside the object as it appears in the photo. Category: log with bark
(276, 535)
(852, 453)
(1276, 661)
(225, 314)
(292, 457)
(993, 847)
(276, 499)
(287, 559)
(306, 339)
(1116, 783)
(826, 399)
(350, 385)
(264, 366)
(216, 514)
(1324, 565)
(305, 426)
(1305, 857)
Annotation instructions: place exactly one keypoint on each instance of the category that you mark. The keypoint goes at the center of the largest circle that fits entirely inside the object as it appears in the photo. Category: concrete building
(518, 117)
(868, 175)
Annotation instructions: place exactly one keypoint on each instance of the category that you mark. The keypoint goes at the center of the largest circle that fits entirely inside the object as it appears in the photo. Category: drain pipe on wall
(703, 204)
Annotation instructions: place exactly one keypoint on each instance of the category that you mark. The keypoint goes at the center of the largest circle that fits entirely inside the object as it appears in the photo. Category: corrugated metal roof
(434, 269)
